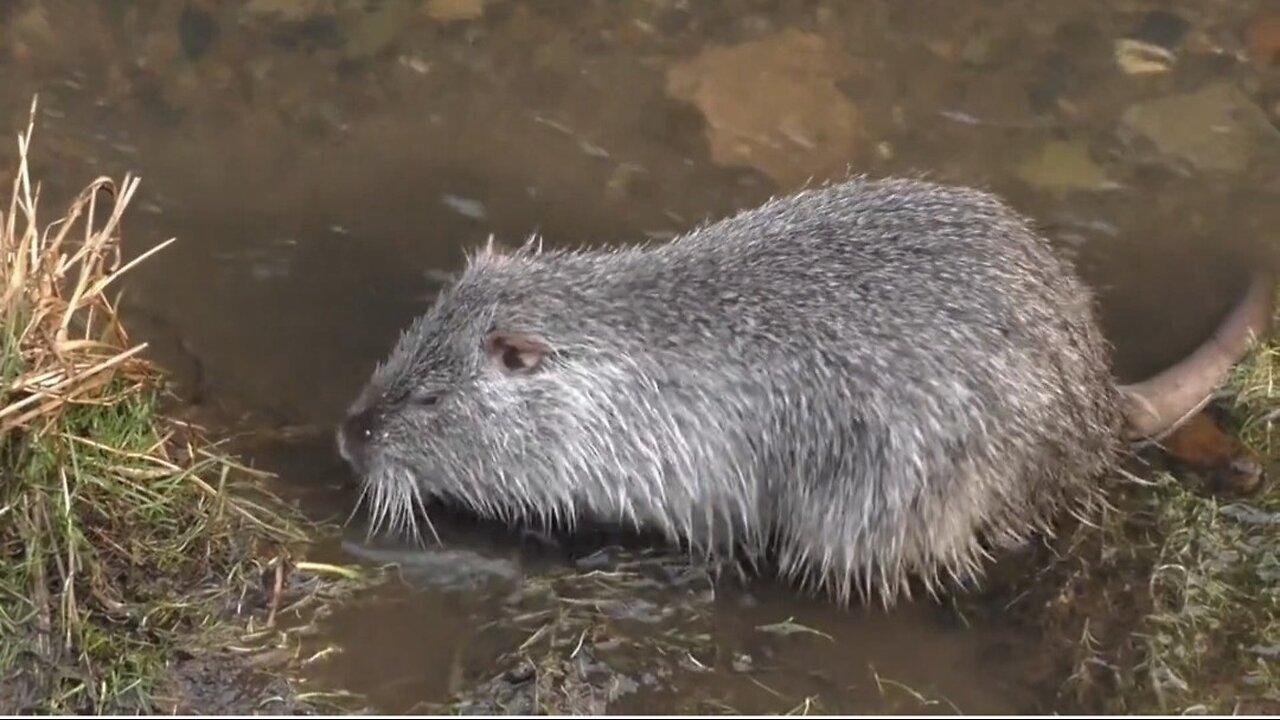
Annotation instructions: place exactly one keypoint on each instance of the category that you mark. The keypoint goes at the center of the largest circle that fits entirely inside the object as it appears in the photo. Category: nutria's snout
(354, 437)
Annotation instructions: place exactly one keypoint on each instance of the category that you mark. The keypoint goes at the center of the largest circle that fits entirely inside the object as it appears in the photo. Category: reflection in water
(324, 164)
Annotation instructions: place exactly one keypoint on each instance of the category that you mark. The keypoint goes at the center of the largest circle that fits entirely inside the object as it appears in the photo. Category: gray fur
(867, 382)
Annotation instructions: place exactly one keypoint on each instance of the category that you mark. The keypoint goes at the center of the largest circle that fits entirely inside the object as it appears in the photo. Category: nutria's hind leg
(1205, 447)
(825, 547)
(887, 535)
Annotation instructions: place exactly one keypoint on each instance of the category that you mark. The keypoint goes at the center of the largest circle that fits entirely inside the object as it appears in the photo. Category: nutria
(867, 382)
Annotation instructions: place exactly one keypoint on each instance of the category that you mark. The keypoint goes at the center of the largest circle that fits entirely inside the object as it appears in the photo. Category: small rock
(774, 104)
(415, 63)
(1215, 128)
(1064, 165)
(1136, 57)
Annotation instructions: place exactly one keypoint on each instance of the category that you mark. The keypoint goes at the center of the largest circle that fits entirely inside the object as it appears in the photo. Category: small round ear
(516, 352)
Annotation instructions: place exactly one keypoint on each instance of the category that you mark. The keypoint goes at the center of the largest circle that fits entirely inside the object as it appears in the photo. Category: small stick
(276, 592)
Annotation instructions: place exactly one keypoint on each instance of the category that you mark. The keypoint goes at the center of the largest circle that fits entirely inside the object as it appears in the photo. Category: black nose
(354, 436)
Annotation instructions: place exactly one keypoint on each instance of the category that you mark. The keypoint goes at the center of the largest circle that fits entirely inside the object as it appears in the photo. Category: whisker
(421, 506)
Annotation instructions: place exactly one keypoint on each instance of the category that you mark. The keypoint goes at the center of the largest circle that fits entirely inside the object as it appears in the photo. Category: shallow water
(323, 165)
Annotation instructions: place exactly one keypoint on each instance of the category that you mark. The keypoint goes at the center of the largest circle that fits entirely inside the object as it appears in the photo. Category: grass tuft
(125, 537)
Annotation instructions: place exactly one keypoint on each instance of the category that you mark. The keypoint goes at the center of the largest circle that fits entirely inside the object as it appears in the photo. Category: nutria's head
(527, 393)
(448, 396)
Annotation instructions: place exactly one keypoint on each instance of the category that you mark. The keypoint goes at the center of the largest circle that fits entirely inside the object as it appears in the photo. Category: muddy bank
(136, 558)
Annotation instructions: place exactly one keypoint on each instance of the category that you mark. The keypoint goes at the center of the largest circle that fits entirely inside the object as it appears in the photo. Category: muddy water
(323, 165)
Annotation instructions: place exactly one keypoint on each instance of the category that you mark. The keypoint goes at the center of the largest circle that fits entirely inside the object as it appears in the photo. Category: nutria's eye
(426, 400)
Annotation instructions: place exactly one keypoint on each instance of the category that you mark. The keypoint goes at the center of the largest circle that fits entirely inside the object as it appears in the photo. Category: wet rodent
(866, 383)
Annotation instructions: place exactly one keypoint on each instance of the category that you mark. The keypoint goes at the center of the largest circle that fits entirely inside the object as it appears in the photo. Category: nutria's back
(873, 380)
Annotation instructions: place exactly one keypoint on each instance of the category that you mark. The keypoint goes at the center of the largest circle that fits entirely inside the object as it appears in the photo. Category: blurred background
(324, 164)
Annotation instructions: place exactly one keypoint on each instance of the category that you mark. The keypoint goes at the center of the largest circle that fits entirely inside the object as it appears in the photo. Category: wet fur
(866, 383)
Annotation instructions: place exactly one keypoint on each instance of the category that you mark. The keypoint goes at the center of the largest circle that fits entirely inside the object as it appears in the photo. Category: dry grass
(121, 540)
